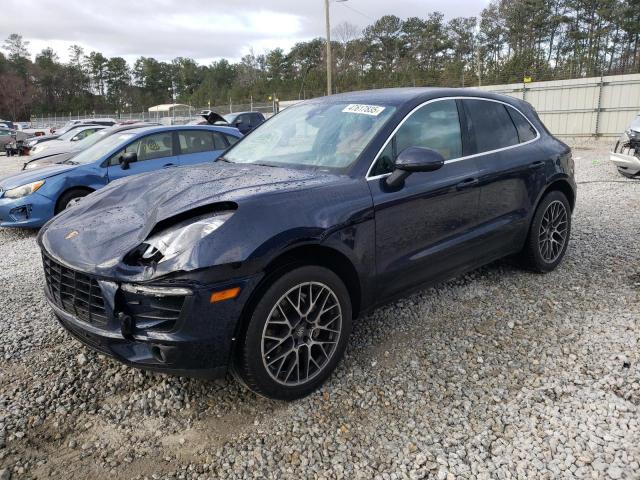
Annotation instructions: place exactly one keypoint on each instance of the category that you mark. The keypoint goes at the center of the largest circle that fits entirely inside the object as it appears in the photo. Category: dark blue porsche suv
(259, 262)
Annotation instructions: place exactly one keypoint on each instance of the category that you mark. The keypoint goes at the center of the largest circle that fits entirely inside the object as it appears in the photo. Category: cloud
(199, 29)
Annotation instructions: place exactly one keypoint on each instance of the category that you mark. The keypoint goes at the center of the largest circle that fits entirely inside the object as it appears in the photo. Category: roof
(247, 111)
(411, 95)
(170, 128)
(166, 107)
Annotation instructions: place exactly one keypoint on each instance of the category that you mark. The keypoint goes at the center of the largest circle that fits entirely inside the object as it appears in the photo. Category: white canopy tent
(170, 112)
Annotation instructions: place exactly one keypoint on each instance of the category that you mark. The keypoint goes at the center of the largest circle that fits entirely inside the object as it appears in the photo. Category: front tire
(549, 234)
(69, 198)
(296, 335)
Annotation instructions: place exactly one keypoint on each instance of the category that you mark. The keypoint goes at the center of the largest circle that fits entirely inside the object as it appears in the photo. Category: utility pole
(328, 22)
(328, 25)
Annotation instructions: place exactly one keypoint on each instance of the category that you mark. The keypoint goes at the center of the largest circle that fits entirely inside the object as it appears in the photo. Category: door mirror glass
(414, 159)
(128, 158)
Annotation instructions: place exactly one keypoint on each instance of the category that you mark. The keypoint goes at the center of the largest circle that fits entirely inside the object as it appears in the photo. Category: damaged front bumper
(172, 329)
(626, 156)
(31, 211)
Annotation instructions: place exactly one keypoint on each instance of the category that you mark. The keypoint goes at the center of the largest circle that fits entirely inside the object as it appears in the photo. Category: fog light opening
(158, 354)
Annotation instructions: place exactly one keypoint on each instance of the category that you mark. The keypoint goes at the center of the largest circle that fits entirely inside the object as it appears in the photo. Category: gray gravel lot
(497, 374)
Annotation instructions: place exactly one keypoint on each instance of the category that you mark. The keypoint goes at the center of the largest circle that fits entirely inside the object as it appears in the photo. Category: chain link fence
(180, 115)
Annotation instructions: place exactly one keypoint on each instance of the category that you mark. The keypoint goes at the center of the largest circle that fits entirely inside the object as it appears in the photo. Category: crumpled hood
(29, 176)
(116, 219)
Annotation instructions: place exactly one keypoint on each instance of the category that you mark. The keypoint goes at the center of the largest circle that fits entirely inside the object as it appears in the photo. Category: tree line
(508, 41)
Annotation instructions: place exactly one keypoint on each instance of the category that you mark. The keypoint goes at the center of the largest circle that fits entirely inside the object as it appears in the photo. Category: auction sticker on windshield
(373, 110)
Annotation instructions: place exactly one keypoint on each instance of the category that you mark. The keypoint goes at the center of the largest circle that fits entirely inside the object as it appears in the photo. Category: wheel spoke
(292, 367)
(278, 344)
(282, 355)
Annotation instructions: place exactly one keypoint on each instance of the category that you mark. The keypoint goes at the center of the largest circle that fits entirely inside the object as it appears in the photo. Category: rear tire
(296, 335)
(68, 198)
(548, 234)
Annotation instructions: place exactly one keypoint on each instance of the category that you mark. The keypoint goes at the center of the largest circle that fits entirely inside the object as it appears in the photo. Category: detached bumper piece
(626, 157)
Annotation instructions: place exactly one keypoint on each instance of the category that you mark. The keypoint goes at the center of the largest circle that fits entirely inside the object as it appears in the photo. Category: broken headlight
(179, 237)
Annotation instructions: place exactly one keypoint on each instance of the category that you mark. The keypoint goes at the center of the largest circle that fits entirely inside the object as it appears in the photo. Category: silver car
(8, 136)
(626, 152)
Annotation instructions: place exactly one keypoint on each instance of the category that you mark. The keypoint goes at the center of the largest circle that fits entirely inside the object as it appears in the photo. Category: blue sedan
(30, 198)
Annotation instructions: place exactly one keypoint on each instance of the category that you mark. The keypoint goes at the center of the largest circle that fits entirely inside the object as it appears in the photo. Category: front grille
(76, 293)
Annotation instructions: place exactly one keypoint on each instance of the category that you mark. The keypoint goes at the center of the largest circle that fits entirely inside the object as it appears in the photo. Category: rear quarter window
(526, 132)
(231, 139)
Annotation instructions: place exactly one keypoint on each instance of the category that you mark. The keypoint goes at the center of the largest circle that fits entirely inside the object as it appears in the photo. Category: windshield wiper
(223, 159)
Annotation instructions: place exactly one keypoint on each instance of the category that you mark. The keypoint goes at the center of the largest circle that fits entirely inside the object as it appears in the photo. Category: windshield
(86, 142)
(100, 149)
(322, 136)
(70, 134)
(230, 117)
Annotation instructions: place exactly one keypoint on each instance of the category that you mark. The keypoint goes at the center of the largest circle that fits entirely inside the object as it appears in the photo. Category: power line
(355, 10)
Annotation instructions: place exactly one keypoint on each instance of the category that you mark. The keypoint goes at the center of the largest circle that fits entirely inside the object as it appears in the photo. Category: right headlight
(182, 236)
(23, 190)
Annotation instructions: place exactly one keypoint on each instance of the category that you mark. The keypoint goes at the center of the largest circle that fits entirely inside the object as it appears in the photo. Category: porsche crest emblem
(71, 234)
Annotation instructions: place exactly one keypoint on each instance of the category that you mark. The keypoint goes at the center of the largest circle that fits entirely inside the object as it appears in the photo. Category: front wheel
(69, 199)
(549, 234)
(296, 335)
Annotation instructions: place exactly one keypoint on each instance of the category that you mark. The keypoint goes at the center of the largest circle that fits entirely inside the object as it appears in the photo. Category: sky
(205, 30)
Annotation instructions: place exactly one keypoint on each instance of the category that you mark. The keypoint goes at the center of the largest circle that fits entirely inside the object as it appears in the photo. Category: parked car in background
(31, 142)
(244, 121)
(7, 124)
(626, 152)
(67, 150)
(31, 197)
(107, 122)
(9, 136)
(66, 139)
(260, 261)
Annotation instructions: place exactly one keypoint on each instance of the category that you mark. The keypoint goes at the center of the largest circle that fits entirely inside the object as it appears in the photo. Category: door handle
(538, 164)
(469, 182)
(169, 165)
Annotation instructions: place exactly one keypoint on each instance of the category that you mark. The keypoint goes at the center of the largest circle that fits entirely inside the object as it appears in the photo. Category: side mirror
(128, 158)
(414, 159)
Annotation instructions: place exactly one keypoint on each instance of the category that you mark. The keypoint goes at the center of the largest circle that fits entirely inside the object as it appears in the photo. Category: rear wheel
(296, 335)
(70, 198)
(549, 234)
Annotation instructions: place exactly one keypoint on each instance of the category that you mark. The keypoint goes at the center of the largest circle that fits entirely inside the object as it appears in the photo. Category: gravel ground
(497, 374)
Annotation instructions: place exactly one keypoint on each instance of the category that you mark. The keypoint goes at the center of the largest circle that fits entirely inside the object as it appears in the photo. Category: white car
(74, 135)
(626, 152)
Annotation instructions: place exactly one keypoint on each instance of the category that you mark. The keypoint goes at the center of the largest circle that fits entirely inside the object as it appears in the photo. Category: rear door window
(196, 141)
(231, 139)
(219, 142)
(490, 125)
